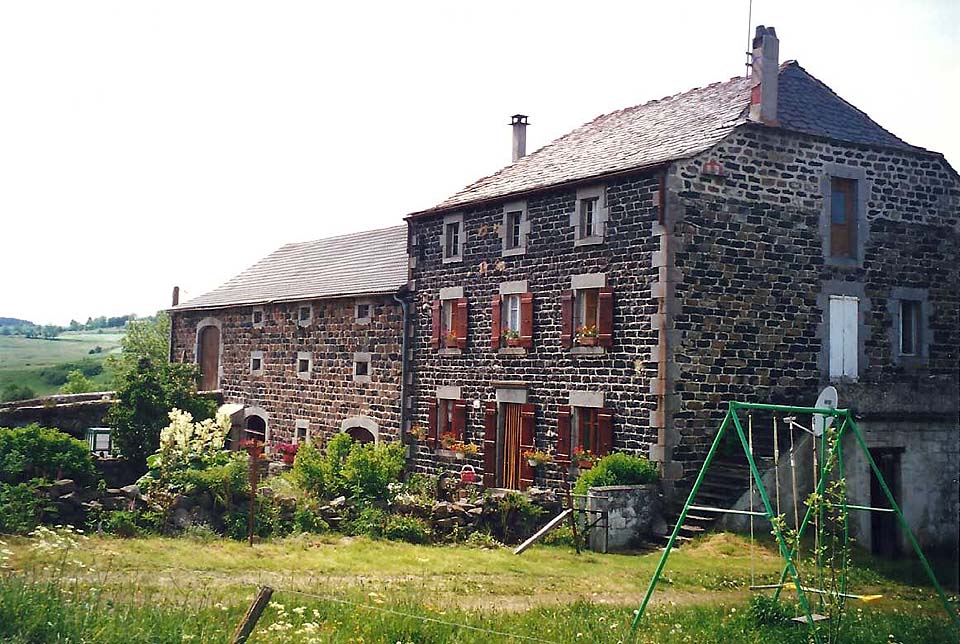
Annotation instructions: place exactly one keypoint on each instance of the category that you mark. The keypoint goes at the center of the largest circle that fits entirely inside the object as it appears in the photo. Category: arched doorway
(361, 435)
(255, 427)
(208, 348)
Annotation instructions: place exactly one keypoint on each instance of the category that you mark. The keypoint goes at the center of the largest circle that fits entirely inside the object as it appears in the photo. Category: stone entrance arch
(362, 429)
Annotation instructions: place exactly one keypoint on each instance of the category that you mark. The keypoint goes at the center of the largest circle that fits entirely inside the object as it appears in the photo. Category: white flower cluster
(61, 537)
(295, 627)
(5, 554)
(184, 440)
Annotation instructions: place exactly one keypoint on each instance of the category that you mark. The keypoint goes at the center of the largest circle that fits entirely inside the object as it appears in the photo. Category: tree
(14, 392)
(148, 386)
(77, 383)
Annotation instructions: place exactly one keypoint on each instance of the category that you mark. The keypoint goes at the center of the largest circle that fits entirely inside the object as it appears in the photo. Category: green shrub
(617, 469)
(369, 469)
(308, 469)
(514, 516)
(767, 612)
(563, 536)
(338, 449)
(268, 521)
(307, 519)
(37, 452)
(369, 522)
(77, 383)
(480, 539)
(133, 523)
(408, 529)
(21, 508)
(228, 484)
(14, 392)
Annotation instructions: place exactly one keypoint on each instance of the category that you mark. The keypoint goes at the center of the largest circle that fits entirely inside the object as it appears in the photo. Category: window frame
(449, 257)
(358, 318)
(301, 321)
(513, 247)
(920, 296)
(303, 425)
(253, 317)
(915, 319)
(859, 226)
(362, 358)
(301, 357)
(596, 194)
(255, 356)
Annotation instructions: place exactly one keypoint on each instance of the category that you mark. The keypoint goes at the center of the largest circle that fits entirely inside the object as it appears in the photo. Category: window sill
(303, 376)
(512, 351)
(449, 453)
(456, 259)
(362, 321)
(587, 351)
(449, 351)
(513, 252)
(843, 262)
(256, 374)
(588, 241)
(363, 380)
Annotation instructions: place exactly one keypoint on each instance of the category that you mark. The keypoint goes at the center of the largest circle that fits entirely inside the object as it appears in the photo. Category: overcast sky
(148, 144)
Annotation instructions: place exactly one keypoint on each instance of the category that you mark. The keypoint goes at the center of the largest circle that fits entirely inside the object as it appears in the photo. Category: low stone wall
(632, 511)
(72, 414)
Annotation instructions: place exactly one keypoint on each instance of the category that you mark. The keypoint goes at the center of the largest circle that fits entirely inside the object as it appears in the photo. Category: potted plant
(418, 432)
(588, 335)
(288, 452)
(584, 458)
(536, 458)
(447, 440)
(511, 338)
(253, 447)
(450, 340)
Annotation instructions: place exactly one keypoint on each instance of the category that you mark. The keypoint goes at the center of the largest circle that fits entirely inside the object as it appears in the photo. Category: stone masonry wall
(330, 395)
(549, 370)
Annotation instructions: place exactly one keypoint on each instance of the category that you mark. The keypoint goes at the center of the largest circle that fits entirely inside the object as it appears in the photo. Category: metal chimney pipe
(519, 123)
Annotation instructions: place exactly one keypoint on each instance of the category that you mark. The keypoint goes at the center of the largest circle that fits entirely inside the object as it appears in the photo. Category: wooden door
(510, 459)
(209, 358)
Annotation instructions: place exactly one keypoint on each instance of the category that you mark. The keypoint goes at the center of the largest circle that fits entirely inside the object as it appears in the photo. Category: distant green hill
(15, 322)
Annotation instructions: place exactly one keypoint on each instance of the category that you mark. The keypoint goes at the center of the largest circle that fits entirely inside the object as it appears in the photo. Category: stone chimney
(176, 296)
(765, 75)
(519, 123)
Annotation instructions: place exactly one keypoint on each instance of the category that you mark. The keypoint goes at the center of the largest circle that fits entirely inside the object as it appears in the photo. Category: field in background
(23, 359)
(335, 589)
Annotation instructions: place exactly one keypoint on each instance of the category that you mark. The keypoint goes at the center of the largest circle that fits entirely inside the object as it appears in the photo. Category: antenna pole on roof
(749, 63)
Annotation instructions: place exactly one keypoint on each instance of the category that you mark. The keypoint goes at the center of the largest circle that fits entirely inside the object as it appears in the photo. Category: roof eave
(643, 169)
(279, 300)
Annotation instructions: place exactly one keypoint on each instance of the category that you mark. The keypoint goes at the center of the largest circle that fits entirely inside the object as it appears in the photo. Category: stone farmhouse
(753, 240)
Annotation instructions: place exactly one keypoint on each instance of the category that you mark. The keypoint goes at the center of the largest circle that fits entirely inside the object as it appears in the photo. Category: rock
(205, 501)
(63, 486)
(338, 502)
(116, 503)
(131, 491)
(72, 498)
(442, 510)
(183, 501)
(181, 518)
(475, 512)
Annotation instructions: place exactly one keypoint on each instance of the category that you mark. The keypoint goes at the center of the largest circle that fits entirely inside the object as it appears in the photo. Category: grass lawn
(22, 359)
(336, 589)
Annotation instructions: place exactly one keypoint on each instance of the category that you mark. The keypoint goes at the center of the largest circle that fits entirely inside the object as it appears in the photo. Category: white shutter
(844, 314)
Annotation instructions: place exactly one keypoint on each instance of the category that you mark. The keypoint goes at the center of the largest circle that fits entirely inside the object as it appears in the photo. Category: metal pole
(784, 551)
(903, 524)
(680, 521)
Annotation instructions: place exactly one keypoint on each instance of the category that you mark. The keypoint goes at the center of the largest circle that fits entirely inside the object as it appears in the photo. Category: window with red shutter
(526, 444)
(526, 320)
(566, 319)
(604, 432)
(605, 317)
(495, 323)
(460, 325)
(459, 420)
(432, 423)
(437, 325)
(563, 434)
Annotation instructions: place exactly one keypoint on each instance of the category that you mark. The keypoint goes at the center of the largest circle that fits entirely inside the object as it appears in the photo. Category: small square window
(452, 243)
(363, 311)
(304, 315)
(302, 432)
(514, 231)
(910, 327)
(361, 367)
(588, 217)
(257, 317)
(256, 362)
(304, 365)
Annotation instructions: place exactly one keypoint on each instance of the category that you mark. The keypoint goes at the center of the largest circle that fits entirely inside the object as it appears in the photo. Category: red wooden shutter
(460, 420)
(526, 444)
(495, 322)
(526, 320)
(563, 434)
(435, 339)
(604, 431)
(432, 423)
(605, 317)
(461, 326)
(566, 319)
(490, 444)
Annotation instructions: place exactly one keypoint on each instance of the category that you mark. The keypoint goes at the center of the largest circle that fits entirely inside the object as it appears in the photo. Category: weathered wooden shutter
(566, 319)
(495, 322)
(490, 444)
(843, 217)
(563, 434)
(604, 431)
(526, 444)
(432, 423)
(437, 310)
(844, 341)
(526, 320)
(605, 317)
(461, 324)
(460, 420)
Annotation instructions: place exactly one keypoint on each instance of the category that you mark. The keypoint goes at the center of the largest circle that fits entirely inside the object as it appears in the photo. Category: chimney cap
(761, 32)
(519, 119)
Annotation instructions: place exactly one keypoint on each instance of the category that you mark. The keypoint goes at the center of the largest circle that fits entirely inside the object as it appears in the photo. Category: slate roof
(367, 263)
(673, 128)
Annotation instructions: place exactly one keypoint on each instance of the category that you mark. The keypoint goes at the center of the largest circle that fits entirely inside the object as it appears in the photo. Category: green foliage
(147, 338)
(617, 469)
(517, 516)
(338, 448)
(77, 383)
(145, 396)
(35, 452)
(482, 540)
(21, 508)
(14, 392)
(307, 519)
(227, 484)
(308, 469)
(408, 529)
(268, 521)
(369, 469)
(369, 522)
(767, 612)
(59, 374)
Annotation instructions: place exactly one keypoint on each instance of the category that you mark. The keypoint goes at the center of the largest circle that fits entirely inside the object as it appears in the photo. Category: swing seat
(869, 598)
(815, 617)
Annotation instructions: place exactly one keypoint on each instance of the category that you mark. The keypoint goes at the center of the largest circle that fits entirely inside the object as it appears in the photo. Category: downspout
(404, 360)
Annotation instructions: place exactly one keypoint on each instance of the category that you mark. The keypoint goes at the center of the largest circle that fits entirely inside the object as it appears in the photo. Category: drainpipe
(404, 303)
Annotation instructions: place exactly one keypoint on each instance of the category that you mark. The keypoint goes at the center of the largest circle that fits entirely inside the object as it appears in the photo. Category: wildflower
(300, 610)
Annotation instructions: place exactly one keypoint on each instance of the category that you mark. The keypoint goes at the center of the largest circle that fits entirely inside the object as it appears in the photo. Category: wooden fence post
(245, 627)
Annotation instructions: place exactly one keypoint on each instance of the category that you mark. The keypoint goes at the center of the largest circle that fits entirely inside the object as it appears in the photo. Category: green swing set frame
(847, 426)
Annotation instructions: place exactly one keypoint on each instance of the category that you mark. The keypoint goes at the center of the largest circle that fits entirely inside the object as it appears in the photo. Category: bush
(409, 529)
(617, 469)
(308, 469)
(228, 484)
(14, 392)
(268, 521)
(77, 383)
(517, 516)
(307, 519)
(369, 469)
(21, 508)
(767, 612)
(369, 523)
(483, 540)
(35, 452)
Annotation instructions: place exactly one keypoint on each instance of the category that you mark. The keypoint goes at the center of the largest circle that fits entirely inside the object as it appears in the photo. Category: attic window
(515, 227)
(452, 238)
(305, 315)
(589, 219)
(362, 312)
(304, 364)
(256, 318)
